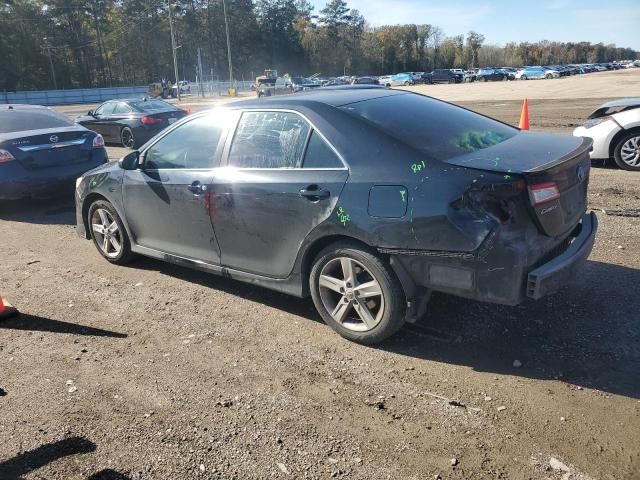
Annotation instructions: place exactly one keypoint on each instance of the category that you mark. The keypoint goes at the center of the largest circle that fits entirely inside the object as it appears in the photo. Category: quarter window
(320, 154)
(191, 145)
(269, 140)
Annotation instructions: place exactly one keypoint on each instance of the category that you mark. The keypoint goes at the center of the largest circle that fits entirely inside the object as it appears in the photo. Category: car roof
(622, 102)
(328, 96)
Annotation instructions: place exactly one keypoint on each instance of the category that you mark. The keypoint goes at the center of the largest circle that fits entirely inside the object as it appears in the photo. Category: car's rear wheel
(127, 138)
(108, 233)
(357, 293)
(627, 152)
(548, 75)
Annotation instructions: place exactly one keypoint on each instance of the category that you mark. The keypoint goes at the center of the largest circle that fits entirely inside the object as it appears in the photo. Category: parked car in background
(446, 75)
(369, 80)
(469, 76)
(615, 130)
(399, 80)
(185, 88)
(301, 84)
(277, 86)
(531, 73)
(427, 77)
(42, 152)
(491, 75)
(272, 193)
(130, 122)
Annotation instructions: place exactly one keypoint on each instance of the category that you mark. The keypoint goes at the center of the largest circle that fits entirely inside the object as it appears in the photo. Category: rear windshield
(17, 120)
(151, 105)
(439, 130)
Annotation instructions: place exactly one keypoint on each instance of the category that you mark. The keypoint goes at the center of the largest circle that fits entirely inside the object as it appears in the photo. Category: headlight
(78, 181)
(592, 122)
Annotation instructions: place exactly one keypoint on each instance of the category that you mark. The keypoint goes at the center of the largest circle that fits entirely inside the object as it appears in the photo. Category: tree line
(98, 43)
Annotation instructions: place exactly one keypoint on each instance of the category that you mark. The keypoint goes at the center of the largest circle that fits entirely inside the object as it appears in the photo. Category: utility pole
(226, 23)
(173, 48)
(201, 86)
(53, 72)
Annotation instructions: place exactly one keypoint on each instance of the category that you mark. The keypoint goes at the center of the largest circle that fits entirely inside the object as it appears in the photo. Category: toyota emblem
(53, 138)
(581, 172)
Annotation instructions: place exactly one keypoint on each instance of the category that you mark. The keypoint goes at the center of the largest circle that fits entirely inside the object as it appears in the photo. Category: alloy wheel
(630, 152)
(106, 232)
(127, 138)
(351, 294)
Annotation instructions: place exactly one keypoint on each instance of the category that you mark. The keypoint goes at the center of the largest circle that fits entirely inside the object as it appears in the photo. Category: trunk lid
(48, 148)
(542, 159)
(168, 117)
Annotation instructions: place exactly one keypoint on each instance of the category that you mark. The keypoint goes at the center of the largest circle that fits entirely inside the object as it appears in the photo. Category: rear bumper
(548, 278)
(507, 272)
(18, 183)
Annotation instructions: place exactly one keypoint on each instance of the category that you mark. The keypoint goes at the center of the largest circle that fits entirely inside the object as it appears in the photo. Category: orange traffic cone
(524, 116)
(6, 309)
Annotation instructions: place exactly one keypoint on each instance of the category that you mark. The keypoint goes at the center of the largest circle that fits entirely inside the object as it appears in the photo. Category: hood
(526, 152)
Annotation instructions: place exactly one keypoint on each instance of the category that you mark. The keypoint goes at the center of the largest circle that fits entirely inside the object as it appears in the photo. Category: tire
(98, 211)
(548, 76)
(406, 84)
(624, 150)
(386, 300)
(127, 139)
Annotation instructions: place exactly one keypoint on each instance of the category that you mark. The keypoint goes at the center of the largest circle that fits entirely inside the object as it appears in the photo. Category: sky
(502, 21)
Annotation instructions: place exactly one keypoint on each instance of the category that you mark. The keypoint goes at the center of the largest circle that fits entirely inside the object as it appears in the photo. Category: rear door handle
(197, 188)
(314, 192)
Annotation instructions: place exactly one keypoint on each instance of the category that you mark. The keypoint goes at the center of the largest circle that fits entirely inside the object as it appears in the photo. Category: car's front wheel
(108, 233)
(627, 152)
(357, 293)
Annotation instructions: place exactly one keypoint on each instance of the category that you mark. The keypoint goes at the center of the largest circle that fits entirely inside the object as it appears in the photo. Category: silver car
(615, 130)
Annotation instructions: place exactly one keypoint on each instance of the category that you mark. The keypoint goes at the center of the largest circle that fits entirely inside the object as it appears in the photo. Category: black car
(42, 152)
(365, 199)
(366, 81)
(446, 76)
(131, 122)
(492, 75)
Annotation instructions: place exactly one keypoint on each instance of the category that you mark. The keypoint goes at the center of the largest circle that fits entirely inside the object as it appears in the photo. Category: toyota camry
(365, 199)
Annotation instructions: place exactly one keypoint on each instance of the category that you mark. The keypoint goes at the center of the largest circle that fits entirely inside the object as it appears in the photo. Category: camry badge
(53, 138)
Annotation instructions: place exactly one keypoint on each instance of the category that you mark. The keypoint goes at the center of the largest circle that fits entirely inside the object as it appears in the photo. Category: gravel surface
(153, 371)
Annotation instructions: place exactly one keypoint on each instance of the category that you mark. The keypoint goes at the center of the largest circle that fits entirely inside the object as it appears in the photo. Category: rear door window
(269, 139)
(17, 120)
(439, 130)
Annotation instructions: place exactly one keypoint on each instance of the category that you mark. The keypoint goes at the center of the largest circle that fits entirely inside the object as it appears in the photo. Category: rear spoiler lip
(585, 147)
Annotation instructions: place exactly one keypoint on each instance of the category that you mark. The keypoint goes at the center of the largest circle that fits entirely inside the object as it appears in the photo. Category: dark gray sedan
(130, 122)
(367, 200)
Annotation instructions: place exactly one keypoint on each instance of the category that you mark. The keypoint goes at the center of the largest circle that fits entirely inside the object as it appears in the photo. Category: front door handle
(197, 188)
(314, 193)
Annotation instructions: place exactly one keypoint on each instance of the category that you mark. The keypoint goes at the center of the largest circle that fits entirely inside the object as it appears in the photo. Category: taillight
(543, 193)
(6, 156)
(98, 141)
(150, 120)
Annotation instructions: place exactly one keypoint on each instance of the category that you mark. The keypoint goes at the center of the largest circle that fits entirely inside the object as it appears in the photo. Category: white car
(531, 73)
(615, 130)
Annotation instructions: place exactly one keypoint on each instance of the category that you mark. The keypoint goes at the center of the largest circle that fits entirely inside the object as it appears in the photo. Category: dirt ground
(157, 372)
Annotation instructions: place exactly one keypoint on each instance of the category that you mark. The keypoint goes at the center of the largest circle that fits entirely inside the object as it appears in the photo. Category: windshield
(438, 129)
(151, 105)
(14, 120)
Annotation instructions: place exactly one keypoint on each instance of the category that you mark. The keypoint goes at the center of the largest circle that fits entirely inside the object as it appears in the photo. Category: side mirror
(130, 161)
(90, 113)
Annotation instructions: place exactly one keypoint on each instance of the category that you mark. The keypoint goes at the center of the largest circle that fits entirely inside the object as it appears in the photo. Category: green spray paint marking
(343, 216)
(403, 193)
(417, 167)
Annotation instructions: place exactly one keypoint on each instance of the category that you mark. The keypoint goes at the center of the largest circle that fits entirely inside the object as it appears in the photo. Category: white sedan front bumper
(601, 134)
